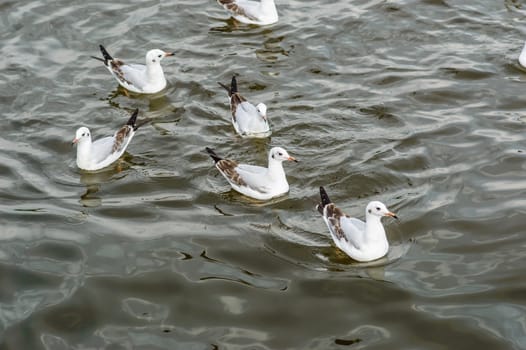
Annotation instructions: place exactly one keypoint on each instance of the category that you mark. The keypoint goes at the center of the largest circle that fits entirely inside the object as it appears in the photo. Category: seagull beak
(75, 140)
(292, 159)
(166, 54)
(393, 215)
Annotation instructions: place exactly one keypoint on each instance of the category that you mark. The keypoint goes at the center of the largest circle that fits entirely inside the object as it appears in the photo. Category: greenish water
(418, 104)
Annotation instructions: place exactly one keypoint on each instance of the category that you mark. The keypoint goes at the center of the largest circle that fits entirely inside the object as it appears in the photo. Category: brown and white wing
(344, 229)
(235, 100)
(122, 138)
(131, 76)
(239, 8)
(107, 150)
(227, 167)
(332, 215)
(115, 66)
(242, 175)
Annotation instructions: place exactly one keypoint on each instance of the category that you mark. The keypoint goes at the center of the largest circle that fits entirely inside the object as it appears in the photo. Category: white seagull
(255, 181)
(248, 120)
(252, 12)
(362, 241)
(522, 57)
(140, 78)
(101, 153)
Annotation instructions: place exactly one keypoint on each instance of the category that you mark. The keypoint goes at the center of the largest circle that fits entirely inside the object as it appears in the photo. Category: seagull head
(279, 154)
(81, 135)
(262, 110)
(378, 209)
(155, 56)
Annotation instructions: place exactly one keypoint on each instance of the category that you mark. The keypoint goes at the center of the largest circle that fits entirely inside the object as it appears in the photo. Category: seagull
(255, 181)
(362, 241)
(143, 79)
(522, 57)
(252, 12)
(101, 153)
(248, 120)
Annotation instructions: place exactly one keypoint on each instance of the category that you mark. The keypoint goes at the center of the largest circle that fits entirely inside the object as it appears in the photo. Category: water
(415, 103)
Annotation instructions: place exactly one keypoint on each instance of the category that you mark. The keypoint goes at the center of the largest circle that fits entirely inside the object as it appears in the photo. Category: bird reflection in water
(93, 181)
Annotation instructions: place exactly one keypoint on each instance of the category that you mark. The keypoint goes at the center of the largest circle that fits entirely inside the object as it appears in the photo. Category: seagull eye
(160, 56)
(378, 208)
(83, 134)
(280, 154)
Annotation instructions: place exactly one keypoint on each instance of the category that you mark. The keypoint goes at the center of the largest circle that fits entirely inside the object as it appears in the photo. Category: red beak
(393, 215)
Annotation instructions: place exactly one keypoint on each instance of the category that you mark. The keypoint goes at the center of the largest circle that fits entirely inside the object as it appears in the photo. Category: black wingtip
(233, 85)
(105, 54)
(325, 200)
(213, 154)
(133, 119)
(319, 207)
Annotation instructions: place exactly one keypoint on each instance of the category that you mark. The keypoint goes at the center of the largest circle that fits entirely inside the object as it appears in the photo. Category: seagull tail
(105, 54)
(325, 200)
(233, 85)
(226, 88)
(99, 59)
(133, 119)
(141, 123)
(213, 154)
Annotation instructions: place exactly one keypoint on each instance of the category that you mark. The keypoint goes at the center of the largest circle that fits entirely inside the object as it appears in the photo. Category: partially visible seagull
(522, 57)
(252, 12)
(140, 78)
(362, 241)
(247, 119)
(255, 181)
(101, 153)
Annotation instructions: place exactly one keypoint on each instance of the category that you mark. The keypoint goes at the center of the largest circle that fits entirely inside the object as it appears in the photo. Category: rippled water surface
(419, 104)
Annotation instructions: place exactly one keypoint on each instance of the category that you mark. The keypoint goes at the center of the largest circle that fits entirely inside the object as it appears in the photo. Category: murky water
(419, 104)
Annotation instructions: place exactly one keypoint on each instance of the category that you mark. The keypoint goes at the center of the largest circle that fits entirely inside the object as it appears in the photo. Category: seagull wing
(246, 113)
(241, 8)
(353, 230)
(132, 76)
(243, 175)
(102, 148)
(235, 101)
(135, 74)
(344, 229)
(106, 150)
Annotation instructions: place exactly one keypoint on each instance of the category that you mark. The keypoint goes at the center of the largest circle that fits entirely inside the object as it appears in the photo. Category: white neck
(374, 230)
(154, 72)
(84, 153)
(275, 169)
